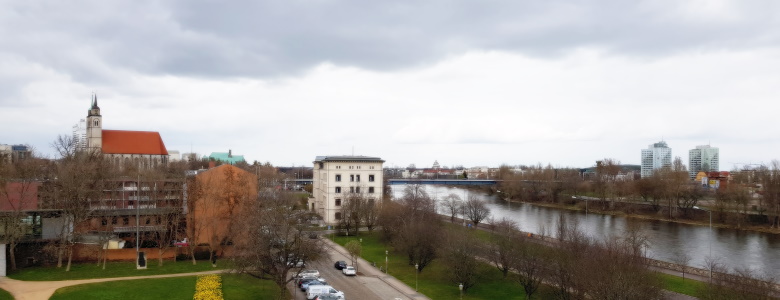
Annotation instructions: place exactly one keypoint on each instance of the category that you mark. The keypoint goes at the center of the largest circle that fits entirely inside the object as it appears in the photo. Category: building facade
(656, 156)
(703, 159)
(335, 177)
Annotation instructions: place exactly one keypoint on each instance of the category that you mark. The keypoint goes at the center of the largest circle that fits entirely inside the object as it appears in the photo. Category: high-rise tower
(656, 156)
(703, 158)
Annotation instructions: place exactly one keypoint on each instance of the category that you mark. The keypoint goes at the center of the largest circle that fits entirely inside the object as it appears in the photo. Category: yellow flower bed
(208, 287)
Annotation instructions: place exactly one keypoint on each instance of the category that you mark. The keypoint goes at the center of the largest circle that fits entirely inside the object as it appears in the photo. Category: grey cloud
(273, 38)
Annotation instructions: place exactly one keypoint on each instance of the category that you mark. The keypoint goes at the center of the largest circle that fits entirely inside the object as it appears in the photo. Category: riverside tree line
(750, 197)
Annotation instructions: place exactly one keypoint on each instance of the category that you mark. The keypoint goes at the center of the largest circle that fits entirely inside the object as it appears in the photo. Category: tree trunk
(160, 257)
(59, 256)
(12, 254)
(70, 258)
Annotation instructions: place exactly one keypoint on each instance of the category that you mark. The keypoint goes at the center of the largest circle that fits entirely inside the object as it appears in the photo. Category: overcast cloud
(462, 82)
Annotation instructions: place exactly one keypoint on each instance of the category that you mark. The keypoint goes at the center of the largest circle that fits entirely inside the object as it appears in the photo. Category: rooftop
(133, 142)
(347, 158)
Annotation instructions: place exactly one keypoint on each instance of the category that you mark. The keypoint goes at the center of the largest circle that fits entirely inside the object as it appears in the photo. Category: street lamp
(416, 275)
(386, 271)
(710, 239)
(460, 287)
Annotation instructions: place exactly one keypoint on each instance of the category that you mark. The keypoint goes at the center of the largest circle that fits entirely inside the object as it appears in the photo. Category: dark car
(340, 264)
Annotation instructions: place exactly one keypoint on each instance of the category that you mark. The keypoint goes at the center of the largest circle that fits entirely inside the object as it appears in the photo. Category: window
(113, 220)
(338, 190)
(338, 167)
(370, 178)
(358, 178)
(352, 189)
(357, 190)
(352, 178)
(148, 220)
(338, 202)
(338, 177)
(125, 221)
(338, 216)
(370, 189)
(104, 221)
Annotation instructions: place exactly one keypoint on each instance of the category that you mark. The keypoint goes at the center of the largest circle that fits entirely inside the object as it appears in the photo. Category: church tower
(94, 127)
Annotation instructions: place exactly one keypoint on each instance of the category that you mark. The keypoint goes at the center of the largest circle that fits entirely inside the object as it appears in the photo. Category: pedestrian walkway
(42, 290)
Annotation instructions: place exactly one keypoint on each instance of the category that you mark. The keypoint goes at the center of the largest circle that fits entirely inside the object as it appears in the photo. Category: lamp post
(460, 287)
(416, 275)
(386, 271)
(710, 239)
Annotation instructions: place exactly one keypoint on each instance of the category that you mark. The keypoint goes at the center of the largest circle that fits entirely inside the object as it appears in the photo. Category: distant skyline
(462, 82)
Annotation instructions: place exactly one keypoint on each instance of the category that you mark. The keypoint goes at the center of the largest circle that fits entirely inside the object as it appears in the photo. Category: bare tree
(475, 210)
(79, 177)
(272, 239)
(682, 259)
(529, 260)
(453, 204)
(19, 182)
(460, 255)
(354, 249)
(501, 249)
(412, 226)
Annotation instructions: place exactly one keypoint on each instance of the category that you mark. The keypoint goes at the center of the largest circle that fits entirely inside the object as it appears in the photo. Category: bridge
(444, 181)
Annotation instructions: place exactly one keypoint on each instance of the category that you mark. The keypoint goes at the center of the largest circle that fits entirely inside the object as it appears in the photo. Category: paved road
(369, 284)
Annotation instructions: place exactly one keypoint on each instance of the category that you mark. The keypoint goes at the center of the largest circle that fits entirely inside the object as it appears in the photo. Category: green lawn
(238, 287)
(113, 269)
(157, 288)
(433, 280)
(234, 287)
(5, 295)
(688, 286)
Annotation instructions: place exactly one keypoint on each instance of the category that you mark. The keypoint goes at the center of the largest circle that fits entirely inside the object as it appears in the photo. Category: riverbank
(650, 215)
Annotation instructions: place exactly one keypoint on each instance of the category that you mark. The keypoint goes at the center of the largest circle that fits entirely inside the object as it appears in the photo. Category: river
(733, 248)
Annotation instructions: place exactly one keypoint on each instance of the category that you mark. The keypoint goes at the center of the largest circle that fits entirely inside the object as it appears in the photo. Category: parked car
(340, 264)
(308, 284)
(309, 273)
(296, 264)
(349, 271)
(328, 297)
(317, 290)
(303, 280)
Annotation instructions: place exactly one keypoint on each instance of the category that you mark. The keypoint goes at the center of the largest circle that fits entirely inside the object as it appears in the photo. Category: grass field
(5, 295)
(234, 287)
(113, 269)
(433, 280)
(688, 287)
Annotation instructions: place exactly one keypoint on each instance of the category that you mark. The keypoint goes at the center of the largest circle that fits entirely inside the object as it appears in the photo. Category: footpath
(43, 290)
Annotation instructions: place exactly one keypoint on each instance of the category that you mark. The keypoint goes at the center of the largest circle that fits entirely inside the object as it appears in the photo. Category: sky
(471, 83)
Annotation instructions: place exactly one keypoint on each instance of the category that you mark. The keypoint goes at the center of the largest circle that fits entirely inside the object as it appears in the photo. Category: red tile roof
(133, 142)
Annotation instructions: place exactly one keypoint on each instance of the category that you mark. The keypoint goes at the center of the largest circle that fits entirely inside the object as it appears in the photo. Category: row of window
(126, 221)
(355, 189)
(355, 167)
(355, 178)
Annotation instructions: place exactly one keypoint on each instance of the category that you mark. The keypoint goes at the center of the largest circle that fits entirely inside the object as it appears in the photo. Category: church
(142, 148)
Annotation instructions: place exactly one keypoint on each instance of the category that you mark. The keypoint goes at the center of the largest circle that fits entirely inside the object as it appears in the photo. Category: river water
(733, 248)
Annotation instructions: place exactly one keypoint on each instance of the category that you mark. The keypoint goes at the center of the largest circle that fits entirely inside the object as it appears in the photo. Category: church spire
(94, 101)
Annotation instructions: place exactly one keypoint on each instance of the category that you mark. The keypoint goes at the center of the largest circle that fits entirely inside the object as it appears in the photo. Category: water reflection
(734, 248)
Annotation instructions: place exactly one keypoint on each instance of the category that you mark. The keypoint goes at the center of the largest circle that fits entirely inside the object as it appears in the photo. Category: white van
(315, 290)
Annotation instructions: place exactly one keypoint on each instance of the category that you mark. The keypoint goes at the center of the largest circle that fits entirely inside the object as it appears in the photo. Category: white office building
(656, 156)
(336, 177)
(703, 159)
